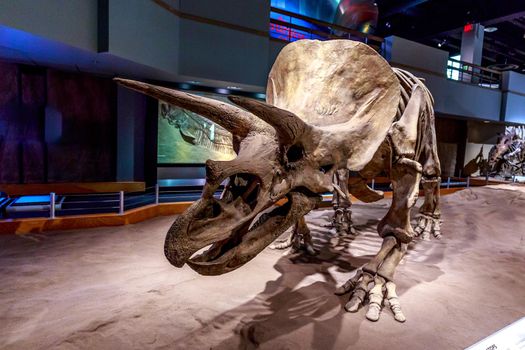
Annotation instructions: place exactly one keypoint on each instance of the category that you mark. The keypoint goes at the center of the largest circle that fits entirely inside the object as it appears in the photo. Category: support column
(472, 46)
(131, 117)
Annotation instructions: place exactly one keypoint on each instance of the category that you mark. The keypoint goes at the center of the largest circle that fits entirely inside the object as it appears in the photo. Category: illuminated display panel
(187, 138)
(358, 15)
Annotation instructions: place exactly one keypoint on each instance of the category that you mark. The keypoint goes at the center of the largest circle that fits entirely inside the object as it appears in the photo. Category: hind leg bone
(300, 239)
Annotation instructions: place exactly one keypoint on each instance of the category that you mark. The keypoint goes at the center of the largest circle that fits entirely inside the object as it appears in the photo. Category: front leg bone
(397, 233)
(388, 259)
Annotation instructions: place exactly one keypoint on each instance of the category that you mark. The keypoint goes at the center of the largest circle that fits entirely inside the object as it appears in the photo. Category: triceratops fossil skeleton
(507, 157)
(330, 105)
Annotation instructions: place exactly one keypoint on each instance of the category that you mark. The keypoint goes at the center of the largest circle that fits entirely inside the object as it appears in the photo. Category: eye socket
(295, 153)
(326, 168)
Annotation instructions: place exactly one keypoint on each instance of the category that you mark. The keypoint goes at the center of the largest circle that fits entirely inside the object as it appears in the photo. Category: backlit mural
(360, 15)
(186, 137)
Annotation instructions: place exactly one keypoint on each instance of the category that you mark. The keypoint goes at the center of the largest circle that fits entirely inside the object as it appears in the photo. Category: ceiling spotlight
(442, 42)
(486, 121)
(234, 88)
(490, 29)
(388, 25)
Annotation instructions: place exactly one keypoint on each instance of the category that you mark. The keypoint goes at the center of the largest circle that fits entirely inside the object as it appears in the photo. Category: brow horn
(232, 118)
(289, 127)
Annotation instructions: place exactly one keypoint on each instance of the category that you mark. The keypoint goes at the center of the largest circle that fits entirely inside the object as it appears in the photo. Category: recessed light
(233, 88)
(486, 121)
(194, 82)
(491, 29)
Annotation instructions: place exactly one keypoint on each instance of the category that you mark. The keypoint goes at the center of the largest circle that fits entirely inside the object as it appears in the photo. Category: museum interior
(275, 174)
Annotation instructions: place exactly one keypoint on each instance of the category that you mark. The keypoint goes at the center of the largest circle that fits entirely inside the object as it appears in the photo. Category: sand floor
(111, 288)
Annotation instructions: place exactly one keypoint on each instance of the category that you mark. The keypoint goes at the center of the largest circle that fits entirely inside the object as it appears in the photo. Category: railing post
(157, 194)
(52, 200)
(448, 182)
(468, 181)
(373, 183)
(121, 203)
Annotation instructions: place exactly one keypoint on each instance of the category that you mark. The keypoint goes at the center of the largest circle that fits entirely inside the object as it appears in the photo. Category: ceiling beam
(502, 49)
(518, 24)
(507, 18)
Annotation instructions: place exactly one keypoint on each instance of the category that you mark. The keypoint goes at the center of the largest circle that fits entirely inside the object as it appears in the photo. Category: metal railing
(289, 26)
(120, 202)
(473, 74)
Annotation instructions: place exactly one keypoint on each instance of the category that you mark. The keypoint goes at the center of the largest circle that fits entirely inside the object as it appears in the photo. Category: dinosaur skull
(277, 176)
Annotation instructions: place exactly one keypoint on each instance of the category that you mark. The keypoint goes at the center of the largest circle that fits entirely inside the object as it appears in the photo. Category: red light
(468, 27)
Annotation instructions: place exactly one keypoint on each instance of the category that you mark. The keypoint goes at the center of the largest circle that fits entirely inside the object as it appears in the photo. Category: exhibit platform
(112, 287)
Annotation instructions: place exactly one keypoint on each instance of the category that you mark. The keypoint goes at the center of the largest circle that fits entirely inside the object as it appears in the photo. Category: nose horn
(214, 171)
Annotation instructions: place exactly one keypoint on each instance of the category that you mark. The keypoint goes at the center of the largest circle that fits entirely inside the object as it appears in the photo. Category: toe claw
(399, 317)
(393, 300)
(353, 304)
(350, 284)
(310, 249)
(374, 310)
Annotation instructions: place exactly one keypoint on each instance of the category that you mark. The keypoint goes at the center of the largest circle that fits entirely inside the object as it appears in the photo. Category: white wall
(409, 53)
(73, 22)
(131, 114)
(143, 32)
(451, 97)
(514, 97)
(212, 52)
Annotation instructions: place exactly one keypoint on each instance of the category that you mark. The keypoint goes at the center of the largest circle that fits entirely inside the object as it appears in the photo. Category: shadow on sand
(302, 300)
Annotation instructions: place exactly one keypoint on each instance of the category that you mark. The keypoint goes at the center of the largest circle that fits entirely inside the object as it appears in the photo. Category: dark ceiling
(434, 22)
